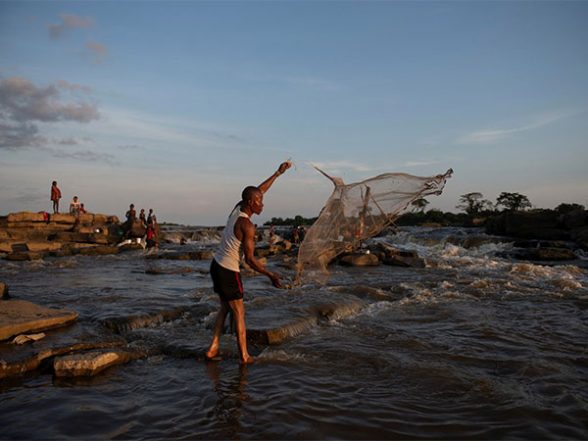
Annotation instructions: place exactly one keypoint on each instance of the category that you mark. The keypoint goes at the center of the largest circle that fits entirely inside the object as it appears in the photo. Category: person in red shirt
(55, 196)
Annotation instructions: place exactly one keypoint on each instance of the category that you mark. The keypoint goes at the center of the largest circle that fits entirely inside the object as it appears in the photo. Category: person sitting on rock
(82, 209)
(74, 206)
(131, 215)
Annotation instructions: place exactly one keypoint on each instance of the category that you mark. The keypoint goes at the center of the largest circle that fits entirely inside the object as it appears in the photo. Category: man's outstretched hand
(275, 278)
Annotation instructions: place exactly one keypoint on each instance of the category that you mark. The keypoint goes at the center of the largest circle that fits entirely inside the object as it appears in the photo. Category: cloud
(97, 51)
(491, 135)
(21, 100)
(22, 104)
(340, 166)
(15, 135)
(69, 21)
(82, 155)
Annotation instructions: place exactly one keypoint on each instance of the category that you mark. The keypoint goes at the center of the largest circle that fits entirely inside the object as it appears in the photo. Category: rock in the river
(359, 259)
(89, 363)
(20, 316)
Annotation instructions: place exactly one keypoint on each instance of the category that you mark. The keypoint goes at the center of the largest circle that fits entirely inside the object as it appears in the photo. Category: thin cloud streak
(491, 135)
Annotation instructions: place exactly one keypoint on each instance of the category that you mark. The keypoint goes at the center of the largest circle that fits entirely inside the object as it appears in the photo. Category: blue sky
(177, 106)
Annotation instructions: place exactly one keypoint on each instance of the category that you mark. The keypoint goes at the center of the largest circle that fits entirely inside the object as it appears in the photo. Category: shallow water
(472, 346)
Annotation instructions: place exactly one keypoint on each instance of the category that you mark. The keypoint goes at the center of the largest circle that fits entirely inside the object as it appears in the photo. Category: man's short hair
(249, 192)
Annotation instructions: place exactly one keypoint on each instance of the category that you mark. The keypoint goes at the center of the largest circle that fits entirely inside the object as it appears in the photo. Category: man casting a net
(239, 236)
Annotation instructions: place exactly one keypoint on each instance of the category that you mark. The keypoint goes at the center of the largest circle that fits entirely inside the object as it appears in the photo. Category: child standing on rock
(55, 196)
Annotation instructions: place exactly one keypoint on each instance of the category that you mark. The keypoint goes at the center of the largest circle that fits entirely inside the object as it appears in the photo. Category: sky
(178, 105)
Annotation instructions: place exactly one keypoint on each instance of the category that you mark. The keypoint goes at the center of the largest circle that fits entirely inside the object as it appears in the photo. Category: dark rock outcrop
(542, 224)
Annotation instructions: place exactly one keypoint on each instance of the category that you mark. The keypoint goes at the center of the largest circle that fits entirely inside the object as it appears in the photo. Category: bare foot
(213, 356)
(248, 360)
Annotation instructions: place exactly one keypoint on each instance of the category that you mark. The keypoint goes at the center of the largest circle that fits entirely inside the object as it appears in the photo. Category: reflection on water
(472, 346)
(230, 386)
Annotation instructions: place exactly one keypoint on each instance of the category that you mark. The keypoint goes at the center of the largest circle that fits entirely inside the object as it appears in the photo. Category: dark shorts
(227, 283)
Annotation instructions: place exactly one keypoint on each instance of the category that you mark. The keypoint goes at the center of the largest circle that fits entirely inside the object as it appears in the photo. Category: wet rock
(279, 334)
(405, 259)
(359, 259)
(3, 291)
(89, 363)
(19, 360)
(127, 323)
(22, 256)
(328, 311)
(20, 316)
(545, 253)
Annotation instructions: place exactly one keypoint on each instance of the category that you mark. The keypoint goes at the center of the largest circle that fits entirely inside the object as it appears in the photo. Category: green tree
(513, 201)
(473, 203)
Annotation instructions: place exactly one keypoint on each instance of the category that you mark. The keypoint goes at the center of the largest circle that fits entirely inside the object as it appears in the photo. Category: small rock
(24, 338)
(360, 260)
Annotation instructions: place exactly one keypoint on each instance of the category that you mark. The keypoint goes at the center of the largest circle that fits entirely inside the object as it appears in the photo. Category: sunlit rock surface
(20, 316)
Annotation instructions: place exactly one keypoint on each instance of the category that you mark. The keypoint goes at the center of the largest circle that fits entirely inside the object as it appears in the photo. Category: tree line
(473, 209)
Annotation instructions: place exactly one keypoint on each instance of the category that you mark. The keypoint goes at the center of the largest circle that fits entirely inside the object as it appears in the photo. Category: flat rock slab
(89, 363)
(21, 317)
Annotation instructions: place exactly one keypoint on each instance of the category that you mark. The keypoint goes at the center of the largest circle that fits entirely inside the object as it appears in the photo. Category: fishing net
(356, 212)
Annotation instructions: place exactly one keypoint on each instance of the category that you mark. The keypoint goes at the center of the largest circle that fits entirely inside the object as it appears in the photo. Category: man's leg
(239, 314)
(218, 329)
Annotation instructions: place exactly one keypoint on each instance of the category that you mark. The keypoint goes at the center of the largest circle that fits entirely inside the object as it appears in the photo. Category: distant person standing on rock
(239, 235)
(55, 196)
(150, 216)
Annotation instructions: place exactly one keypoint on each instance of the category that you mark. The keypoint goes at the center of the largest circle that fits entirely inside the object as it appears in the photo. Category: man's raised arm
(265, 185)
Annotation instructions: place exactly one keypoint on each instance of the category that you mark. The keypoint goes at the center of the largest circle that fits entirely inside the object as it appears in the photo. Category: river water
(474, 346)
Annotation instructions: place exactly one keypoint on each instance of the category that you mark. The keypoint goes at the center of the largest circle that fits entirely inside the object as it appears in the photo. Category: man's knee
(237, 306)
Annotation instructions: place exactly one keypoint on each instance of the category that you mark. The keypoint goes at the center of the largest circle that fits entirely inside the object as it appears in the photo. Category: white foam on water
(564, 277)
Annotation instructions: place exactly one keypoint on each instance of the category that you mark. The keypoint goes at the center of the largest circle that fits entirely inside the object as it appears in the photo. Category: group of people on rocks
(75, 207)
(149, 223)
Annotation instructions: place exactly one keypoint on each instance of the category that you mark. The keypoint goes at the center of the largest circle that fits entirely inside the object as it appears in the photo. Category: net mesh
(356, 212)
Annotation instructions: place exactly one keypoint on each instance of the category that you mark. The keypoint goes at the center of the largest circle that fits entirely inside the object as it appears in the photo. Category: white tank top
(228, 254)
